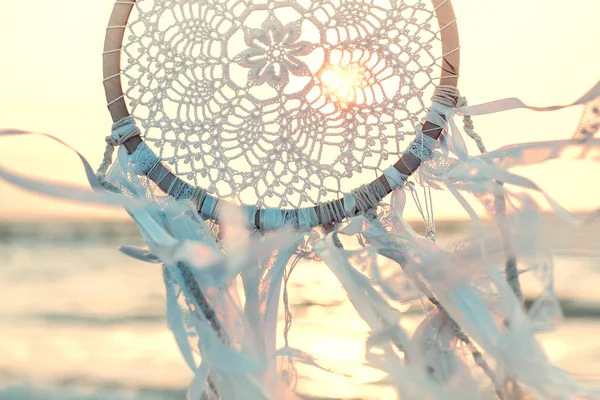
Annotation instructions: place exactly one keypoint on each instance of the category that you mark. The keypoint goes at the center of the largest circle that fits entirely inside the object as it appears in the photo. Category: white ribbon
(457, 144)
(515, 103)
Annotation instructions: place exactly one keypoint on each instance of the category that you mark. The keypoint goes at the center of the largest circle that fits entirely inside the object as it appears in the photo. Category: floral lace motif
(274, 52)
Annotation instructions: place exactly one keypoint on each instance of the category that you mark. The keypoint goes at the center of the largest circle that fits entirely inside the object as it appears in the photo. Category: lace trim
(143, 159)
(422, 147)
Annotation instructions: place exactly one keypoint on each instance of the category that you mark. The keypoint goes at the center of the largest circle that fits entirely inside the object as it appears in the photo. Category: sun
(345, 82)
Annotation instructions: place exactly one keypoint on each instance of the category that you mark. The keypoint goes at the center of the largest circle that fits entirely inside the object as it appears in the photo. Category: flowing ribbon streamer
(66, 191)
(476, 173)
(89, 171)
(512, 343)
(168, 242)
(515, 103)
(457, 144)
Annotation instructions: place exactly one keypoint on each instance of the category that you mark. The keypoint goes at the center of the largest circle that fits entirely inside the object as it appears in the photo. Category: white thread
(440, 5)
(122, 131)
(110, 103)
(369, 196)
(447, 98)
(162, 174)
(442, 29)
(325, 217)
(446, 95)
(331, 211)
(350, 207)
(108, 78)
(307, 217)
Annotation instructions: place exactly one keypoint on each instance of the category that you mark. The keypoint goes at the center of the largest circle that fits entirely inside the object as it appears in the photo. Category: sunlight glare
(343, 82)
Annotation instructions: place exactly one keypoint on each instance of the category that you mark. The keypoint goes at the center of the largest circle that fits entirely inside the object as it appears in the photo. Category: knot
(112, 141)
(122, 130)
(450, 96)
(447, 95)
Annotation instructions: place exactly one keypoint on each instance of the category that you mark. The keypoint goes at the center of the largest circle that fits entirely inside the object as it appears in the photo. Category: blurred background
(79, 320)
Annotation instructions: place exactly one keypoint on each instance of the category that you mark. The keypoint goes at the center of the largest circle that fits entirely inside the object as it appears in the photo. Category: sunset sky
(542, 51)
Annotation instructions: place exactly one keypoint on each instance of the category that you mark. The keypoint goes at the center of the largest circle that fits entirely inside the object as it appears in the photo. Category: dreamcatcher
(253, 135)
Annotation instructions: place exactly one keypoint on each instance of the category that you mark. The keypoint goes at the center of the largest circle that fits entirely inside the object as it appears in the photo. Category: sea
(79, 320)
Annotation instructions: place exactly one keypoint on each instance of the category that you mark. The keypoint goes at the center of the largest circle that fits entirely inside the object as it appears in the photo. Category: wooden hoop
(115, 32)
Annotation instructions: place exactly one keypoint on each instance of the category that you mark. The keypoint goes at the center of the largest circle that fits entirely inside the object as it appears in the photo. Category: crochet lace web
(280, 103)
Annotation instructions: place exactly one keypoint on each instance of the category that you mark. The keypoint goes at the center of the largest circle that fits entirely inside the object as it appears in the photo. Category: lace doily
(279, 103)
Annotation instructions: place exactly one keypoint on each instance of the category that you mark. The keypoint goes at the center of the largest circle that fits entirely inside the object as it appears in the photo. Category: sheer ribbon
(492, 316)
